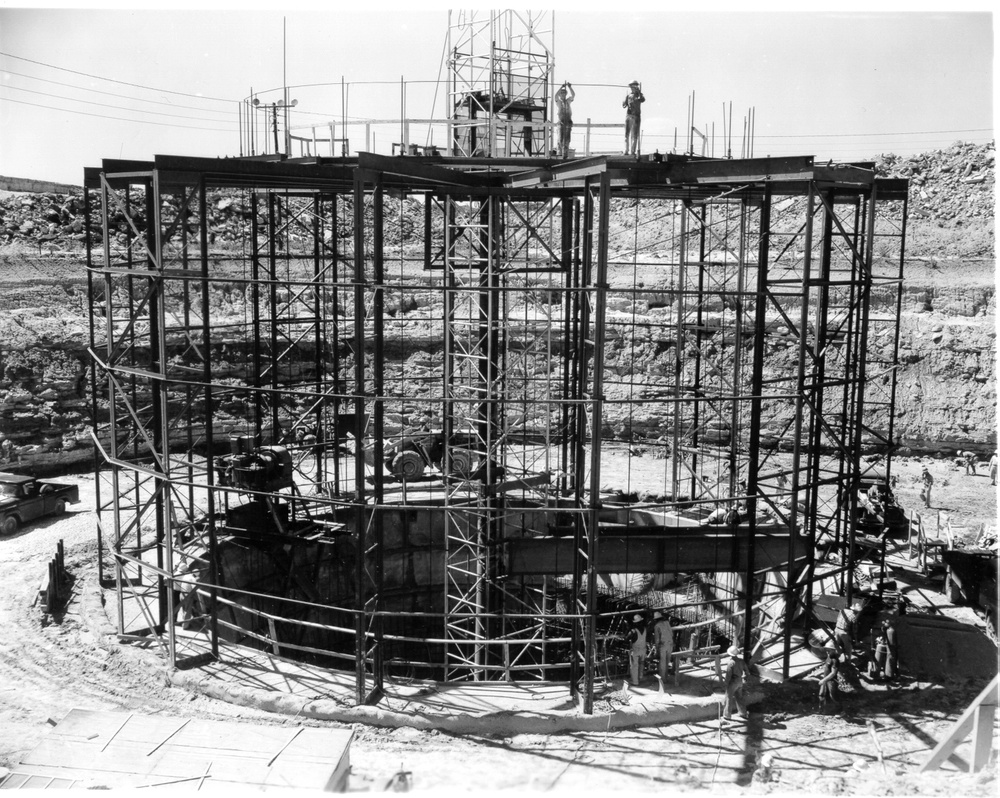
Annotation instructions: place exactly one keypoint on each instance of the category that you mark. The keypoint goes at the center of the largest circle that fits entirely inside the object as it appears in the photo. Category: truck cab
(24, 499)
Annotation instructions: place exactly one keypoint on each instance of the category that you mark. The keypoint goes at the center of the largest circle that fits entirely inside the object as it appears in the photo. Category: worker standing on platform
(637, 649)
(734, 678)
(633, 116)
(663, 640)
(564, 99)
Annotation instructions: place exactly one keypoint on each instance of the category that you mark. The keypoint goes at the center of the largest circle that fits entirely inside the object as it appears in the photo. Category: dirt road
(48, 668)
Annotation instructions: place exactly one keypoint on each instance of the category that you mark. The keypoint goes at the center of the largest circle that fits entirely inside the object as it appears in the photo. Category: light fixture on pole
(274, 117)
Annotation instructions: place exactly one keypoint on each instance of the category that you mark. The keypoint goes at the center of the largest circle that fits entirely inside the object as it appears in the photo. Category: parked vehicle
(24, 499)
(408, 457)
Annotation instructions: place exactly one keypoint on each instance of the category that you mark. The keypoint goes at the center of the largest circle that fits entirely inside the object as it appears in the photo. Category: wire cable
(118, 118)
(110, 105)
(120, 82)
(110, 93)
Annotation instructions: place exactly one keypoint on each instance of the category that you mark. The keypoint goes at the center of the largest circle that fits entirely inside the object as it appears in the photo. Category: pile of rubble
(953, 187)
(952, 184)
(42, 218)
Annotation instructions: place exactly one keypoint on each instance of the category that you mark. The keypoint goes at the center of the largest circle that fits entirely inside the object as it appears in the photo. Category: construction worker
(735, 676)
(928, 482)
(847, 628)
(970, 463)
(993, 469)
(892, 646)
(828, 681)
(633, 115)
(663, 640)
(564, 98)
(637, 649)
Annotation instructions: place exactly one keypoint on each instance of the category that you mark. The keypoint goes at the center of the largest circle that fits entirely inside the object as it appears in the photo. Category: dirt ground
(48, 667)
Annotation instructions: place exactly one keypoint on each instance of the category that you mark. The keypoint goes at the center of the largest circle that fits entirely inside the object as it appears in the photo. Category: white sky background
(834, 85)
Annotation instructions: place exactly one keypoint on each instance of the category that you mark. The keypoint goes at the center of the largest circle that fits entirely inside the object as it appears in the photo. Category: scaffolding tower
(500, 66)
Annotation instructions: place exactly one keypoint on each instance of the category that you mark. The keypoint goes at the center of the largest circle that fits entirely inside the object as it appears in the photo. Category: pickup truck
(24, 498)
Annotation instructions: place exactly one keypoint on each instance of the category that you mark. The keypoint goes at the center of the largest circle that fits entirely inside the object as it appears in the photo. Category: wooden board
(120, 750)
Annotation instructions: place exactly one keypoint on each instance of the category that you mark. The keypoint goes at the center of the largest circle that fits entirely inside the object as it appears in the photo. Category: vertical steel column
(699, 319)
(361, 508)
(319, 338)
(368, 516)
(566, 254)
(161, 412)
(109, 344)
(597, 413)
(584, 533)
(809, 515)
(675, 445)
(756, 406)
(378, 389)
(899, 310)
(258, 363)
(848, 471)
(865, 277)
(94, 396)
(206, 338)
(818, 384)
(274, 225)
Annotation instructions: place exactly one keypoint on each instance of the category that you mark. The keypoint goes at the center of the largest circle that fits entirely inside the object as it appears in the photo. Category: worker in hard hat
(633, 115)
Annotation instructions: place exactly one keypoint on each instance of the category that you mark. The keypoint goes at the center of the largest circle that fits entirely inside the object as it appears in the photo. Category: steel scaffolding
(500, 67)
(362, 422)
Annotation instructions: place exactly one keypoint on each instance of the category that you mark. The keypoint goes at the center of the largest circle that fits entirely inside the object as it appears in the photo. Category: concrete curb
(498, 722)
(502, 722)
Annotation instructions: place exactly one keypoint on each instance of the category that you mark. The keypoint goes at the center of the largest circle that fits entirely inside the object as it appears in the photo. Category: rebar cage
(361, 422)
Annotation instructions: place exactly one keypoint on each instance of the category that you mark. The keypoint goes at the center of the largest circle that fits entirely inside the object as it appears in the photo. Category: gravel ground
(50, 667)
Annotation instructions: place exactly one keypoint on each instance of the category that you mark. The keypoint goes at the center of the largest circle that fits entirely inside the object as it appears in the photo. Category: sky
(81, 85)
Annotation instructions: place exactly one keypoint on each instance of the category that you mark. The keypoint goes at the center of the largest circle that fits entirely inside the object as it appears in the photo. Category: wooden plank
(137, 750)
(945, 748)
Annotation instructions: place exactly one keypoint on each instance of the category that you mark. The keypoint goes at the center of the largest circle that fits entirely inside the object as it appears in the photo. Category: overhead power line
(120, 119)
(110, 105)
(119, 82)
(114, 94)
(857, 135)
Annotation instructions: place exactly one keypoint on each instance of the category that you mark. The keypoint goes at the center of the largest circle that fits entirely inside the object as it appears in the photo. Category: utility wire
(120, 82)
(110, 105)
(120, 119)
(113, 94)
(853, 135)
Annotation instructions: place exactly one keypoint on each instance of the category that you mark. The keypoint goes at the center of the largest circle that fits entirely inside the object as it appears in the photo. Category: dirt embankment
(946, 395)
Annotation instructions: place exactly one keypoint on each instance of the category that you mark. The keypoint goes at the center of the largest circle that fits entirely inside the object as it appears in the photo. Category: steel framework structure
(256, 400)
(500, 67)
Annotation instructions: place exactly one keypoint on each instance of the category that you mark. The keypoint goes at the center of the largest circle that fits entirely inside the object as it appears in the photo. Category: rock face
(946, 388)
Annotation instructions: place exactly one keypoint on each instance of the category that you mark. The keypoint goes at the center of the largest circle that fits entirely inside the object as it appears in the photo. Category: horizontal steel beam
(702, 550)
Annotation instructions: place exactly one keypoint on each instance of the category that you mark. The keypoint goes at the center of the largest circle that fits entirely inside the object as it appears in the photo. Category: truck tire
(407, 465)
(8, 526)
(60, 507)
(461, 463)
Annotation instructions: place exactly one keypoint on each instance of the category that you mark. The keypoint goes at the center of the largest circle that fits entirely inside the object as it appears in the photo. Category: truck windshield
(8, 490)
